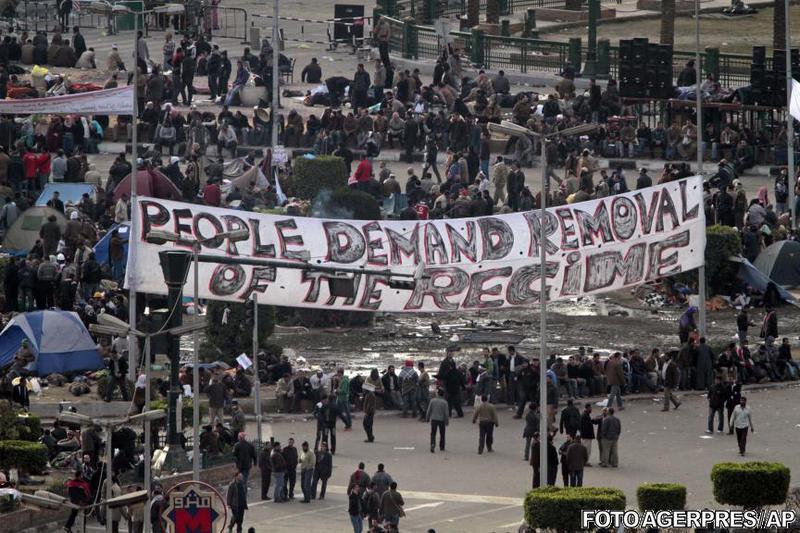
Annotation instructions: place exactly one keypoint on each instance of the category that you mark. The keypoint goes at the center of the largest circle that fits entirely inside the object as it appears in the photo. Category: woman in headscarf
(687, 324)
(763, 196)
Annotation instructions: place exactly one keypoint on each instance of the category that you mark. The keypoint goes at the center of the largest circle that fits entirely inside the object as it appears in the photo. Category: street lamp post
(789, 119)
(196, 369)
(543, 407)
(701, 272)
(175, 267)
(590, 67)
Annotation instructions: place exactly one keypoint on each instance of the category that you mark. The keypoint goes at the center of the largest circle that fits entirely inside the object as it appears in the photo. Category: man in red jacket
(212, 195)
(79, 493)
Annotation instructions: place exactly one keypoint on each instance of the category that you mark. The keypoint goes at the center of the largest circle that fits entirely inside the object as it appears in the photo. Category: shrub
(346, 203)
(310, 176)
(231, 339)
(16, 425)
(750, 485)
(721, 243)
(661, 496)
(560, 508)
(29, 456)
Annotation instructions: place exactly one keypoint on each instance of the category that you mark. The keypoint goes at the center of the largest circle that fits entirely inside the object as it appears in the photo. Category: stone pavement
(461, 491)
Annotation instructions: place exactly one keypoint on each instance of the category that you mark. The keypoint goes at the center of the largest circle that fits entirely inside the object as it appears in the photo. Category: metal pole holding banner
(148, 429)
(257, 387)
(276, 102)
(790, 173)
(133, 343)
(109, 475)
(196, 372)
(543, 407)
(701, 272)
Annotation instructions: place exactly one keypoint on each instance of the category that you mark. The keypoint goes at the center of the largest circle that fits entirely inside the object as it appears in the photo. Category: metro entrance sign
(194, 507)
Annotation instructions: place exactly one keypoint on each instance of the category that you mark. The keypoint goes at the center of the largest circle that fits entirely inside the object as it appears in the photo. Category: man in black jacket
(716, 404)
(290, 455)
(245, 455)
(360, 86)
(733, 395)
(570, 420)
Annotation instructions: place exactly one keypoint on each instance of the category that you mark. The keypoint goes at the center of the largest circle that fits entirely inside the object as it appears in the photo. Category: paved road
(460, 491)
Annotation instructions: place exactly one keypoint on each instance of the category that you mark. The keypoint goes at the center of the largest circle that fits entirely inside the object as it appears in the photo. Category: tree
(234, 337)
(493, 11)
(668, 22)
(779, 25)
(473, 13)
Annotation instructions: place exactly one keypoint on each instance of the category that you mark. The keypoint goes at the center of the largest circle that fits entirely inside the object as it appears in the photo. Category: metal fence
(524, 55)
(456, 8)
(531, 55)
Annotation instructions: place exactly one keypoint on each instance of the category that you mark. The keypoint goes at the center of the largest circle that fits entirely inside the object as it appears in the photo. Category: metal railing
(457, 8)
(531, 55)
(524, 55)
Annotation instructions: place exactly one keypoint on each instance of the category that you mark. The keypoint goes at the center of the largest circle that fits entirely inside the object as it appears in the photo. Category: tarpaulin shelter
(69, 193)
(101, 248)
(757, 280)
(58, 339)
(23, 234)
(150, 182)
(781, 263)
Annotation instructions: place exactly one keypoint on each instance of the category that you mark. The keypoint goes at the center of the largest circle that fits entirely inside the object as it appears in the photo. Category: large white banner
(117, 101)
(470, 263)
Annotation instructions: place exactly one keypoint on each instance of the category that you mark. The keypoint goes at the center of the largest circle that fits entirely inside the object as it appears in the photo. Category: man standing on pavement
(238, 421)
(733, 396)
(278, 467)
(587, 430)
(343, 398)
(615, 378)
(237, 501)
(245, 455)
(577, 457)
(290, 456)
(716, 405)
(307, 463)
(742, 421)
(531, 428)
(216, 392)
(266, 470)
(423, 391)
(322, 471)
(381, 479)
(354, 509)
(671, 378)
(486, 415)
(392, 505)
(408, 388)
(570, 420)
(610, 430)
(369, 411)
(552, 461)
(439, 416)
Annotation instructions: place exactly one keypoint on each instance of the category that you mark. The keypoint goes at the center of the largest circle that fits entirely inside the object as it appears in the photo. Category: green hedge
(560, 508)
(30, 456)
(17, 425)
(750, 485)
(661, 496)
(310, 176)
(721, 243)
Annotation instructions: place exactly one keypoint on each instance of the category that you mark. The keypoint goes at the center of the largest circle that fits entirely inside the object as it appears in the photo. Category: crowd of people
(389, 108)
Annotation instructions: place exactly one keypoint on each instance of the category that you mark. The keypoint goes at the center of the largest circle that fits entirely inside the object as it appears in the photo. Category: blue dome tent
(58, 339)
